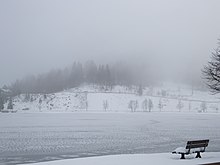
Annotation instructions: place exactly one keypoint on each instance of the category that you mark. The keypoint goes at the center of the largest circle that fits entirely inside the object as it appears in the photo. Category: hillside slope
(167, 98)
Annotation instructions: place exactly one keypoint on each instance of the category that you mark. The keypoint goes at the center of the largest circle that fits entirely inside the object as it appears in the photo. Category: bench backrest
(197, 144)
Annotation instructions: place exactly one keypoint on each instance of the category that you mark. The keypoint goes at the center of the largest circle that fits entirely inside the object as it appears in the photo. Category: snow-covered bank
(139, 159)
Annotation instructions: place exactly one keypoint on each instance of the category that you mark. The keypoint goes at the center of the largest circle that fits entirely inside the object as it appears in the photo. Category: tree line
(77, 74)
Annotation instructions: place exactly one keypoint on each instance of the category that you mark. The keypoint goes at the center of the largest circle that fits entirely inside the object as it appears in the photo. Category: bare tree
(133, 105)
(211, 71)
(39, 105)
(105, 105)
(150, 105)
(86, 105)
(160, 104)
(180, 105)
(130, 105)
(203, 106)
(145, 105)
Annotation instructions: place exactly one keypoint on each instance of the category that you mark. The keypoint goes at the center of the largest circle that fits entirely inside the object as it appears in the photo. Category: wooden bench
(195, 146)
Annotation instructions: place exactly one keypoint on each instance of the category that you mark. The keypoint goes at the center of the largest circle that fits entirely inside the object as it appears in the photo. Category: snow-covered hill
(166, 98)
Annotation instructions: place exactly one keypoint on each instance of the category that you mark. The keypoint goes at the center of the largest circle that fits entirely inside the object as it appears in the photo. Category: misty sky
(39, 35)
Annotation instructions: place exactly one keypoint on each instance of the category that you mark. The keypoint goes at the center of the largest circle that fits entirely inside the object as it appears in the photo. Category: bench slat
(197, 144)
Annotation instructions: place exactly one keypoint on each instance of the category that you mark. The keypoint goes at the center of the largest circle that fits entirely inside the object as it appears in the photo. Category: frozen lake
(34, 137)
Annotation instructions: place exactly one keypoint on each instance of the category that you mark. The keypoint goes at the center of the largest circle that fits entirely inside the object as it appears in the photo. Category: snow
(184, 150)
(118, 100)
(139, 159)
(62, 127)
(180, 150)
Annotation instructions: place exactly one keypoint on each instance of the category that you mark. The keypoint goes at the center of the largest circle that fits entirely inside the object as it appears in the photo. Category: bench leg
(182, 156)
(198, 155)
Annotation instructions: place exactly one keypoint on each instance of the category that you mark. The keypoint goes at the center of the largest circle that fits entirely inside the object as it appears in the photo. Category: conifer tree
(10, 104)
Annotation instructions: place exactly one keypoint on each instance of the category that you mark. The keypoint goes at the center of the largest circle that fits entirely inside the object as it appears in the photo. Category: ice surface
(35, 137)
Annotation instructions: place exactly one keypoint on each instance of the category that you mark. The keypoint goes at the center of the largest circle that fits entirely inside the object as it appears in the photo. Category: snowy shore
(140, 159)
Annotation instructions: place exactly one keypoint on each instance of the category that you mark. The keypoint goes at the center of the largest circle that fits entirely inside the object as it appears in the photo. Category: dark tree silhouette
(211, 71)
(104, 75)
(10, 104)
(140, 90)
(1, 103)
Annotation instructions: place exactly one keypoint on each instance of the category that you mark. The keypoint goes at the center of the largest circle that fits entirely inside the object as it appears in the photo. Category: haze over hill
(173, 39)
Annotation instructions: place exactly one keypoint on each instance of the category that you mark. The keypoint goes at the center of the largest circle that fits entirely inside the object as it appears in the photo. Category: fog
(172, 37)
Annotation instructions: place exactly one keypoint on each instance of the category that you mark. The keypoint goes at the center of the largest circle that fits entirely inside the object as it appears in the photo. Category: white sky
(175, 36)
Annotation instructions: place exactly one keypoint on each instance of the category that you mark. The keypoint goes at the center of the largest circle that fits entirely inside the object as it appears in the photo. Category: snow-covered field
(38, 137)
(92, 98)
